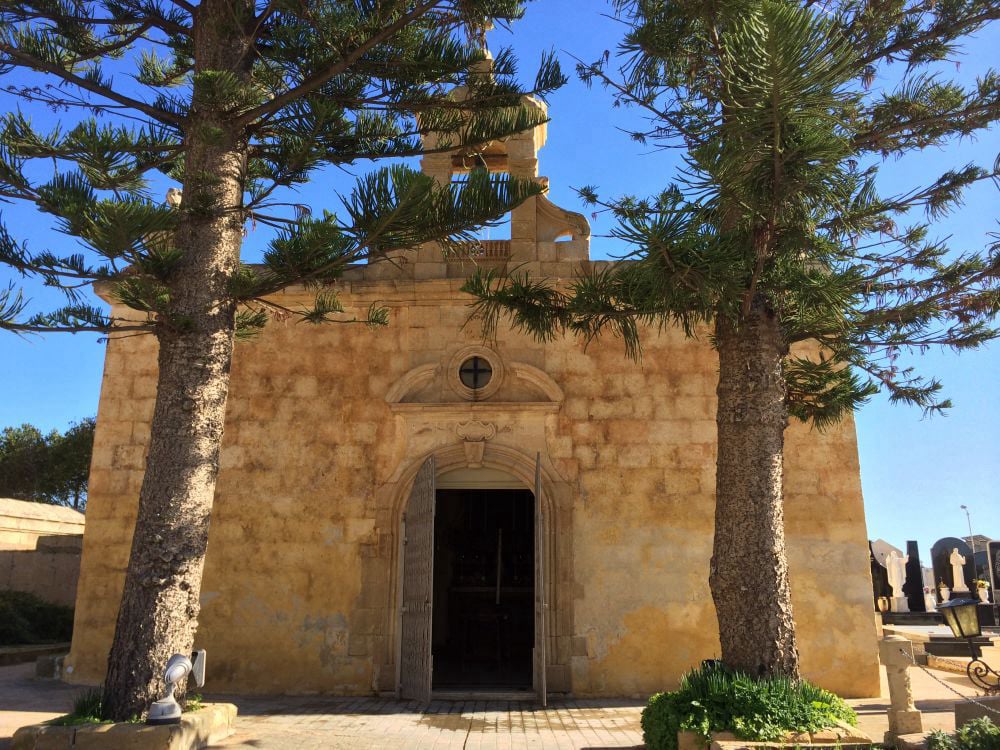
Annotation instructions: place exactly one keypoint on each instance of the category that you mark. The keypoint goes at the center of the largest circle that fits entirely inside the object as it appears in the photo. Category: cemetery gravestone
(913, 588)
(941, 558)
(895, 567)
(880, 578)
(993, 549)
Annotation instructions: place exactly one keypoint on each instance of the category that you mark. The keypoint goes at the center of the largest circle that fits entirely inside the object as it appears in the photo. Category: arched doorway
(472, 597)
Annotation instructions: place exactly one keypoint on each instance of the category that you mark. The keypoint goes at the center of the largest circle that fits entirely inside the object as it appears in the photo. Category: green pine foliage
(331, 84)
(783, 135)
(712, 699)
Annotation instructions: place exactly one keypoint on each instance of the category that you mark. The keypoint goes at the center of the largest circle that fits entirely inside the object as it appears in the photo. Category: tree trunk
(749, 572)
(160, 601)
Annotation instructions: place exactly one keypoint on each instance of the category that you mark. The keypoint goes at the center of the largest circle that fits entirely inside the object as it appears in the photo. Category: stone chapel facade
(411, 509)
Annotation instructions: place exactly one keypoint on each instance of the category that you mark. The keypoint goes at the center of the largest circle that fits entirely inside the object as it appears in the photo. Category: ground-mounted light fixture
(962, 616)
(167, 710)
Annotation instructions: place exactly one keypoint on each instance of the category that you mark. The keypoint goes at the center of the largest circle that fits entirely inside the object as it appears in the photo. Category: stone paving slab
(25, 700)
(340, 723)
(311, 723)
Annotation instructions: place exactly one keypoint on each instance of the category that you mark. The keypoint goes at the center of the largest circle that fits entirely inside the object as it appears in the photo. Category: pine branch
(26, 60)
(318, 79)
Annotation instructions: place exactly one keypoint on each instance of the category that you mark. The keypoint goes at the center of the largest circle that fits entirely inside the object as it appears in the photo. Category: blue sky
(916, 472)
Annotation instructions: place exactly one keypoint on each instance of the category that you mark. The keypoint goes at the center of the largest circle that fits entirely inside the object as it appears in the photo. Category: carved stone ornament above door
(474, 435)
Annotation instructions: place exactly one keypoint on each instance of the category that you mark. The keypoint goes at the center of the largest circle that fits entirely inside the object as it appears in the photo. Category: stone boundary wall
(40, 547)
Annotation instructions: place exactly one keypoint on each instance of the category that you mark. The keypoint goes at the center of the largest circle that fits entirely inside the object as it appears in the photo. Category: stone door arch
(530, 472)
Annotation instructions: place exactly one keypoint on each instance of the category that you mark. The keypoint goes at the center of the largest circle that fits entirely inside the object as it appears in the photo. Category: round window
(475, 373)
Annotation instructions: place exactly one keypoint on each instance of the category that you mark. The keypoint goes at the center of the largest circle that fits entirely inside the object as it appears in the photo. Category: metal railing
(480, 251)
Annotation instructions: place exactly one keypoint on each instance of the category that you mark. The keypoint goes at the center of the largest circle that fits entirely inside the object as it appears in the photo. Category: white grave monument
(957, 573)
(895, 566)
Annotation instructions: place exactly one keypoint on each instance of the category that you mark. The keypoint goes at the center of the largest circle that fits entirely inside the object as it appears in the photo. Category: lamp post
(962, 616)
(972, 540)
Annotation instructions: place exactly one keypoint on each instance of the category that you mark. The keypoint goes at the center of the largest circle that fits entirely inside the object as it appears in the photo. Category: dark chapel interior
(483, 627)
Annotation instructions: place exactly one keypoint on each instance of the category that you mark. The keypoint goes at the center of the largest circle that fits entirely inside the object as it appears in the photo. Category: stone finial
(174, 196)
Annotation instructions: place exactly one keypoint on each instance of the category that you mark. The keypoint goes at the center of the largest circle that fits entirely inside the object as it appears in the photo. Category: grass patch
(27, 620)
(86, 710)
(714, 699)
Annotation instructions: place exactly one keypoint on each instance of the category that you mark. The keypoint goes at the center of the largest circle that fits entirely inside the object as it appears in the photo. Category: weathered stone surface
(198, 729)
(327, 424)
(916, 741)
(40, 549)
(966, 711)
(49, 666)
(690, 741)
(22, 654)
(843, 735)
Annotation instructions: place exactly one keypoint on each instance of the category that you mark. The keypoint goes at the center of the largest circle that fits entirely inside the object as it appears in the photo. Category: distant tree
(51, 468)
(24, 454)
(775, 234)
(238, 102)
(69, 459)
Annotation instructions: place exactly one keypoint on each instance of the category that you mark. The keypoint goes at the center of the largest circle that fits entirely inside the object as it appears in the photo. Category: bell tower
(540, 232)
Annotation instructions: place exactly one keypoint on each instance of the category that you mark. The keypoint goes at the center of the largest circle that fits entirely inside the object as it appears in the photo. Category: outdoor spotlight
(167, 710)
(962, 616)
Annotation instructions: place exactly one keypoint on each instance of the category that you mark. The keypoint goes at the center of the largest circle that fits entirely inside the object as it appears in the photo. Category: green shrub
(26, 619)
(978, 734)
(713, 699)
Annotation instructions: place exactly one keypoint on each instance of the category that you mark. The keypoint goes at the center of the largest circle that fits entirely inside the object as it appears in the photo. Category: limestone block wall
(299, 588)
(40, 549)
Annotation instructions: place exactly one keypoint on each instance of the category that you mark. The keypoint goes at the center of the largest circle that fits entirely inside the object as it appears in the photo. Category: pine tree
(775, 242)
(237, 102)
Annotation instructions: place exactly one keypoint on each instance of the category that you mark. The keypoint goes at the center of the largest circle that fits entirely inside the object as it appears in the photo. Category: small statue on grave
(957, 573)
(895, 566)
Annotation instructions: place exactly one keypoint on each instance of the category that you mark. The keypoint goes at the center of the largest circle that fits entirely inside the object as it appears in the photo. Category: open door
(539, 655)
(418, 588)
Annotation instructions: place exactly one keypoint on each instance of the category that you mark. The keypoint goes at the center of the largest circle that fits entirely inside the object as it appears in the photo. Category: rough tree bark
(749, 572)
(159, 607)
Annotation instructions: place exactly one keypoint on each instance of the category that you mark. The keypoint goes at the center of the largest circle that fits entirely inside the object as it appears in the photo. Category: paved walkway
(312, 723)
(315, 723)
(25, 700)
(934, 694)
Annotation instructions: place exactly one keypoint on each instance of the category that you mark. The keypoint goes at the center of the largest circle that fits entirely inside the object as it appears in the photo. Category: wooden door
(418, 588)
(540, 604)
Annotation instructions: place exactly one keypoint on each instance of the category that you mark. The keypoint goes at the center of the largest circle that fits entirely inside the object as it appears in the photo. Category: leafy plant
(193, 702)
(26, 619)
(978, 734)
(86, 710)
(712, 699)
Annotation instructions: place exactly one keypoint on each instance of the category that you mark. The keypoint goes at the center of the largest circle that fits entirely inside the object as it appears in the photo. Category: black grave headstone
(941, 559)
(994, 556)
(913, 587)
(880, 577)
